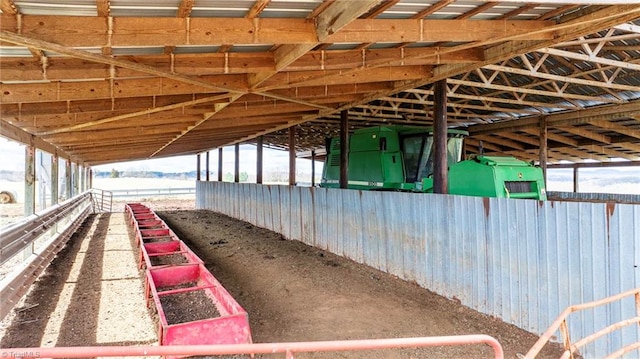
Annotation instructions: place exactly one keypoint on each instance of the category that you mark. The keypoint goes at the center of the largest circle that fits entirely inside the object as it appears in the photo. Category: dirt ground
(294, 292)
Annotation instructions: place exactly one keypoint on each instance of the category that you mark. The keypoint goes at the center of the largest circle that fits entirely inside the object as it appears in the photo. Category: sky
(12, 159)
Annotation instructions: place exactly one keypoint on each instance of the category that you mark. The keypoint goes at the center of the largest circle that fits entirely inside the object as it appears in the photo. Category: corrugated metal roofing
(67, 8)
(14, 51)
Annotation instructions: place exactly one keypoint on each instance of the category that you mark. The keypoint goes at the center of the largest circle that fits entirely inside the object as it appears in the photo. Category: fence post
(564, 329)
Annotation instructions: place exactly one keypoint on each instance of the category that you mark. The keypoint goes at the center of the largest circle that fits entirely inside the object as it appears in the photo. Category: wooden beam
(403, 30)
(344, 149)
(54, 179)
(8, 7)
(337, 15)
(596, 113)
(304, 79)
(583, 132)
(259, 167)
(533, 141)
(517, 11)
(553, 136)
(313, 168)
(257, 8)
(26, 68)
(207, 167)
(432, 9)
(17, 134)
(617, 128)
(581, 153)
(337, 23)
(440, 168)
(134, 114)
(292, 156)
(558, 11)
(102, 8)
(96, 90)
(380, 8)
(460, 105)
(49, 46)
(217, 108)
(490, 99)
(543, 147)
(529, 91)
(236, 163)
(30, 181)
(184, 9)
(563, 79)
(500, 141)
(478, 10)
(220, 164)
(601, 19)
(590, 58)
(198, 170)
(509, 46)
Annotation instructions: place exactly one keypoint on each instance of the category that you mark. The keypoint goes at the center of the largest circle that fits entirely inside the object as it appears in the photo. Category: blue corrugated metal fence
(523, 261)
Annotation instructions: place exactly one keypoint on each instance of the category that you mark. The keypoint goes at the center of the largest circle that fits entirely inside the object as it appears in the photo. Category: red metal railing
(571, 348)
(289, 349)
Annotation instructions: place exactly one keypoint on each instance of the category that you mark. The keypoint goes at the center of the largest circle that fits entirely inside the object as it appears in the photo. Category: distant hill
(18, 176)
(147, 174)
(11, 176)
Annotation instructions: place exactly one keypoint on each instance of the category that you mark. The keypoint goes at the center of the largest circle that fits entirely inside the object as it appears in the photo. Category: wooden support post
(54, 179)
(236, 171)
(292, 156)
(576, 187)
(82, 178)
(76, 180)
(198, 170)
(259, 146)
(90, 178)
(207, 166)
(29, 180)
(344, 149)
(68, 179)
(29, 189)
(440, 170)
(220, 164)
(543, 148)
(313, 168)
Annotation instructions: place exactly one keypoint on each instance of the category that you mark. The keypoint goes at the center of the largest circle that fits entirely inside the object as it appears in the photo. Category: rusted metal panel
(523, 261)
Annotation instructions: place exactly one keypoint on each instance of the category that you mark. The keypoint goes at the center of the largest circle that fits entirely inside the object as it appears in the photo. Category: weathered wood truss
(107, 81)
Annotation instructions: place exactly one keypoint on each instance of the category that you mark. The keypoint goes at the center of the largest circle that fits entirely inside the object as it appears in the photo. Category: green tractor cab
(401, 158)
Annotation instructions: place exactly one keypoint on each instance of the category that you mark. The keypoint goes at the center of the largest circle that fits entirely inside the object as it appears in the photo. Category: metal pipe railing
(17, 236)
(102, 200)
(17, 283)
(289, 349)
(561, 324)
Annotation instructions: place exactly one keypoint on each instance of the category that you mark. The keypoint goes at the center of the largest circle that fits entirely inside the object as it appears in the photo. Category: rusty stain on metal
(611, 207)
(487, 206)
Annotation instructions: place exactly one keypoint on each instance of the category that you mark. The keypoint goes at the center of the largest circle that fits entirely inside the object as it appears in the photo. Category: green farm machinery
(401, 158)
